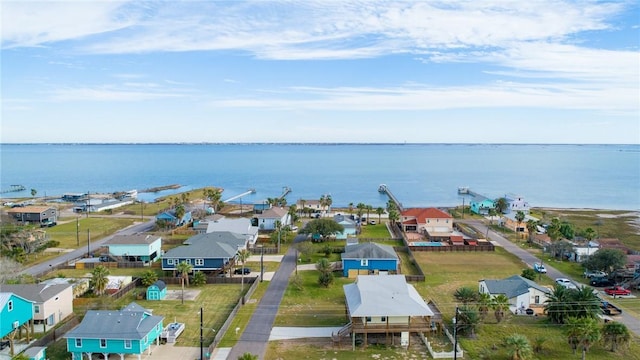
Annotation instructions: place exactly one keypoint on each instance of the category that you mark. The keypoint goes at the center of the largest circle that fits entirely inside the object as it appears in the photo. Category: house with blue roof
(16, 312)
(369, 259)
(206, 252)
(522, 293)
(170, 217)
(132, 330)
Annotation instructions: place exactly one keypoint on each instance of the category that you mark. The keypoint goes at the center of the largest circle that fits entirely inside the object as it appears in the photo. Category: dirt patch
(189, 295)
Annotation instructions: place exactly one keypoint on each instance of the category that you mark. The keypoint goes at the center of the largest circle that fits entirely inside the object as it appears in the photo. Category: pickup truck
(590, 274)
(538, 267)
(617, 291)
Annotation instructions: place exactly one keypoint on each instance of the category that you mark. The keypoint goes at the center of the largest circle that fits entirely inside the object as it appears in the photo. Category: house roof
(422, 214)
(513, 286)
(218, 244)
(369, 251)
(384, 295)
(132, 239)
(29, 209)
(159, 284)
(235, 225)
(35, 292)
(6, 296)
(132, 322)
(272, 213)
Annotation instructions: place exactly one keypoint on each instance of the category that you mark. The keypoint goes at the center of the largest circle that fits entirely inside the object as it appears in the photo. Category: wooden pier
(250, 191)
(285, 191)
(14, 188)
(384, 189)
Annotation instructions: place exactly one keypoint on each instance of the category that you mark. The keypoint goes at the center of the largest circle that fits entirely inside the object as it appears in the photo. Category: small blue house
(15, 311)
(348, 225)
(157, 290)
(132, 330)
(481, 205)
(171, 218)
(369, 259)
(206, 252)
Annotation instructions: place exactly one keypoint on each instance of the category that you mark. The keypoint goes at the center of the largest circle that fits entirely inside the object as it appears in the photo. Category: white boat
(171, 332)
(463, 190)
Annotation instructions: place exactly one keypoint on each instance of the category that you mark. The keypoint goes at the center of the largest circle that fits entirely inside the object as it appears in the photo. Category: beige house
(51, 303)
(432, 222)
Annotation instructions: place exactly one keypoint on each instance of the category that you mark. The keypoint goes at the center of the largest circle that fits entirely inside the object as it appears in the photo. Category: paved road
(44, 267)
(255, 337)
(630, 321)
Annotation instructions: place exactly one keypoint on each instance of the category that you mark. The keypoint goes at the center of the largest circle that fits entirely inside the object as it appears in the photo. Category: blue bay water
(580, 176)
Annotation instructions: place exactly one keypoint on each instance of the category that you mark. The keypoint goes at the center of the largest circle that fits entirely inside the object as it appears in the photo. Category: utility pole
(141, 210)
(88, 243)
(78, 231)
(455, 335)
(201, 336)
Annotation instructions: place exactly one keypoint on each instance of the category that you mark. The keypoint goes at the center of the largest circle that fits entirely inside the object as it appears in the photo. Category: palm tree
(466, 295)
(99, 279)
(519, 218)
(304, 208)
(184, 268)
(500, 304)
(149, 277)
(248, 356)
(360, 208)
(180, 211)
(557, 307)
(394, 216)
(34, 192)
(379, 211)
(615, 333)
(199, 278)
(585, 303)
(242, 256)
(350, 211)
(468, 320)
(590, 234)
(519, 347)
(532, 227)
(501, 205)
(484, 303)
(582, 333)
(326, 272)
(369, 210)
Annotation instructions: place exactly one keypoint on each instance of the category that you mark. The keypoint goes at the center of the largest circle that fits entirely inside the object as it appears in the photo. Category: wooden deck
(417, 324)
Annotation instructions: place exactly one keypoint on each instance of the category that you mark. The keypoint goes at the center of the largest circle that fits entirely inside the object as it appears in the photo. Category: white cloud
(107, 93)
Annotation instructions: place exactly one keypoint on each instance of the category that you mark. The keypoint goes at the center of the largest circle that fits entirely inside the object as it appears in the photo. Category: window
(367, 319)
(364, 262)
(199, 262)
(383, 319)
(10, 305)
(36, 309)
(103, 343)
(145, 340)
(78, 343)
(127, 344)
(537, 299)
(170, 262)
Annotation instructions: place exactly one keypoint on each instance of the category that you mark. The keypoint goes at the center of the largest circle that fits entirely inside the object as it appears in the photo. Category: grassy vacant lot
(445, 272)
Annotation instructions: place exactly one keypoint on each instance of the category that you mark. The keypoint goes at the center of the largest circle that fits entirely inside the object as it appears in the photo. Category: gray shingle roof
(384, 295)
(369, 251)
(219, 244)
(513, 286)
(133, 323)
(35, 292)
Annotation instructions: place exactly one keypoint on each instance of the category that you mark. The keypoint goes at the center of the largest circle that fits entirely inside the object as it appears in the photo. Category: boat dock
(285, 191)
(250, 191)
(14, 188)
(384, 189)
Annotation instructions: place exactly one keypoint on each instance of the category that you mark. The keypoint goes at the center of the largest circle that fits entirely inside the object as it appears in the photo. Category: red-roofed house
(432, 222)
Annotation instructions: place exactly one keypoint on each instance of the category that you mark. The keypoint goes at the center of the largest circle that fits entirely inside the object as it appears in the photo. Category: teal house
(481, 205)
(157, 290)
(15, 311)
(130, 331)
(171, 217)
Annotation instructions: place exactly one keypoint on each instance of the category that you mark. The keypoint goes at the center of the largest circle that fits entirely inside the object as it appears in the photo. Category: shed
(157, 290)
(36, 353)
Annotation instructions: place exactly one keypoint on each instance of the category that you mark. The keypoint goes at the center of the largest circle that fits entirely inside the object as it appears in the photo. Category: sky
(542, 71)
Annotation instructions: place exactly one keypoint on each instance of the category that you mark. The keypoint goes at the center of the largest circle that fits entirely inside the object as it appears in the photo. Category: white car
(566, 283)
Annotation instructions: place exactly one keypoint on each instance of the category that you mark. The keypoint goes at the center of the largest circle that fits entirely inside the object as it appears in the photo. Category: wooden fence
(57, 332)
(454, 248)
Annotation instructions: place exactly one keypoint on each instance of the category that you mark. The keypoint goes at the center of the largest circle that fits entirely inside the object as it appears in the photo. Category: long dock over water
(285, 191)
(13, 188)
(250, 191)
(385, 190)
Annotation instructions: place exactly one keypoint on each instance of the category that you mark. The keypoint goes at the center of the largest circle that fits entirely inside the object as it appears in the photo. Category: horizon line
(304, 143)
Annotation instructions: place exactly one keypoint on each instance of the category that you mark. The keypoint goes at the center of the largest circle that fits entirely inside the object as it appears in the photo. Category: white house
(240, 226)
(516, 203)
(522, 293)
(267, 220)
(581, 252)
(138, 247)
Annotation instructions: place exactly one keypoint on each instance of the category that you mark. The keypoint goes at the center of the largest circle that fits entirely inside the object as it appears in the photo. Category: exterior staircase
(343, 332)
